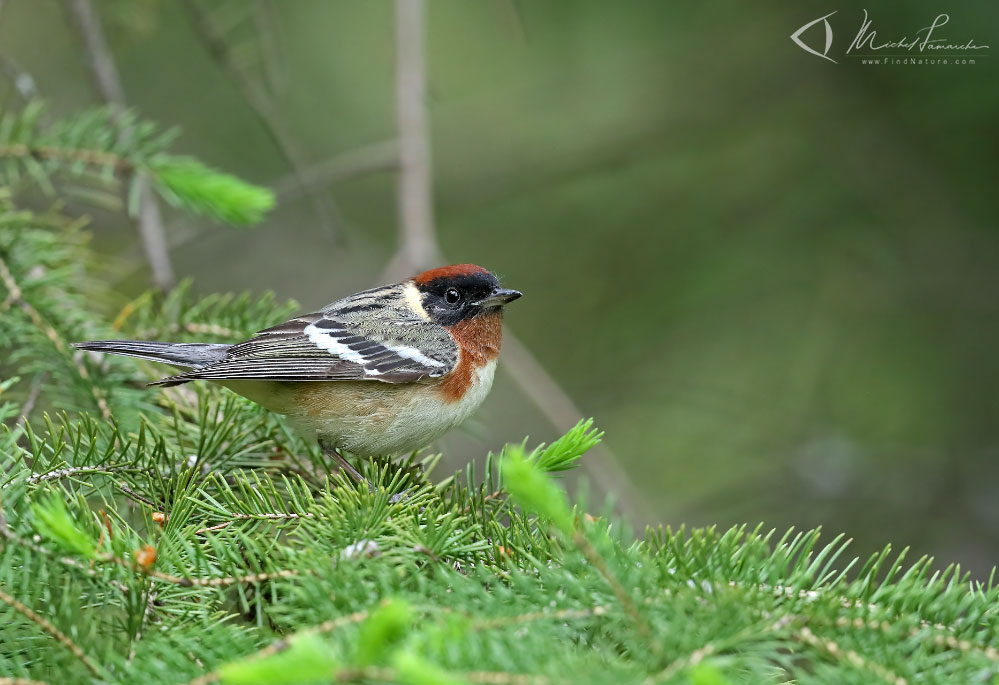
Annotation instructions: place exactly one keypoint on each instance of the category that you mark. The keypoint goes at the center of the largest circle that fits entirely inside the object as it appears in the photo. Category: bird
(379, 373)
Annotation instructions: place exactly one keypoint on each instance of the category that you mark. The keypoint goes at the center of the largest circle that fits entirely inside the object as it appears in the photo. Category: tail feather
(185, 355)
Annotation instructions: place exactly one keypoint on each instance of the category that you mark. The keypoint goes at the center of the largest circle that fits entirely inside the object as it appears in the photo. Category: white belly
(368, 417)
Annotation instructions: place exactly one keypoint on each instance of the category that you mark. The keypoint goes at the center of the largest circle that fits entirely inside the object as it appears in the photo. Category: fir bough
(100, 147)
(186, 536)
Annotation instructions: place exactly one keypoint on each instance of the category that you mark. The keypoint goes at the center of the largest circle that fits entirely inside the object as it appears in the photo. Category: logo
(796, 37)
(926, 46)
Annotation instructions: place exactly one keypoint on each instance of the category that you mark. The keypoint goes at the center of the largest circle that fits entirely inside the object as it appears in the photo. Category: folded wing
(327, 347)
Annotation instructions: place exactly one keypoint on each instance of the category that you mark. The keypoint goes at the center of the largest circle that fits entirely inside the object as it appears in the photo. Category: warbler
(381, 372)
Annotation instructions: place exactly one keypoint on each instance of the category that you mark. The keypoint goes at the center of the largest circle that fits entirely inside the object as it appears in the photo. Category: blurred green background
(771, 279)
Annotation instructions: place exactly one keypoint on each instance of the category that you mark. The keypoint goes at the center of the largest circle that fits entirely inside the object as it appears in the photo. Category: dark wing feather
(317, 347)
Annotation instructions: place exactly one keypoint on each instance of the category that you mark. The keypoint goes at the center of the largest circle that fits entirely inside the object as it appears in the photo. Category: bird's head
(451, 294)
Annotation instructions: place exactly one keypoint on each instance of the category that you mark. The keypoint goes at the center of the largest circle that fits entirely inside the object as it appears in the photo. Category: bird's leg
(331, 451)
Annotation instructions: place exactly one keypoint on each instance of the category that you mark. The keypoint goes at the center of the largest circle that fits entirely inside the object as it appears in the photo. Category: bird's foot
(356, 476)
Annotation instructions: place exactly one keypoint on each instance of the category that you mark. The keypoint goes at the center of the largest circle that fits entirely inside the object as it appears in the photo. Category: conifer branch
(149, 221)
(15, 296)
(262, 516)
(60, 636)
(832, 649)
(95, 158)
(284, 643)
(184, 581)
(626, 600)
(74, 471)
(34, 392)
(474, 554)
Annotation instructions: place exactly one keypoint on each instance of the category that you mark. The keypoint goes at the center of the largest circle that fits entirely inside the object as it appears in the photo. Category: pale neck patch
(412, 296)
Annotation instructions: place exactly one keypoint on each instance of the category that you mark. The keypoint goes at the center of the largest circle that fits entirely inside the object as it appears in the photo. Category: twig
(60, 636)
(284, 643)
(133, 495)
(153, 236)
(275, 516)
(263, 108)
(210, 529)
(71, 471)
(267, 23)
(831, 648)
(556, 406)
(419, 249)
(11, 536)
(362, 161)
(108, 81)
(222, 581)
(417, 242)
(34, 391)
(88, 24)
(92, 157)
(598, 562)
(367, 160)
(21, 681)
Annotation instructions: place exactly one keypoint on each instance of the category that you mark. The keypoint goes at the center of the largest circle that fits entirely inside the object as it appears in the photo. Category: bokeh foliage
(770, 277)
(188, 536)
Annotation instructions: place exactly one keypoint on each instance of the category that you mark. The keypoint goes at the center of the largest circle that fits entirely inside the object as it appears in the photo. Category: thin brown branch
(73, 471)
(555, 404)
(34, 392)
(362, 161)
(21, 681)
(92, 157)
(108, 82)
(418, 244)
(832, 649)
(283, 644)
(12, 537)
(133, 495)
(88, 25)
(211, 529)
(153, 236)
(275, 516)
(60, 636)
(267, 113)
(598, 562)
(267, 23)
(223, 581)
(419, 249)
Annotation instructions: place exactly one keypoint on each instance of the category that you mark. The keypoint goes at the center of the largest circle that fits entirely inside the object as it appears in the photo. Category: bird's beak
(499, 297)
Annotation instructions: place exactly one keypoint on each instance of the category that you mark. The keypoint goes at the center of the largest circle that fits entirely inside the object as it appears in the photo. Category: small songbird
(382, 372)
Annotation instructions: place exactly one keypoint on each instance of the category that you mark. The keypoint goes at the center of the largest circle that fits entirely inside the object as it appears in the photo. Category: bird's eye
(452, 296)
